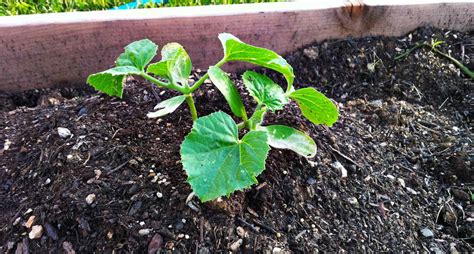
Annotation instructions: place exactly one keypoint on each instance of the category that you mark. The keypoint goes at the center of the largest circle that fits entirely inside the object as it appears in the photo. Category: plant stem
(192, 107)
(241, 125)
(163, 84)
(408, 52)
(206, 76)
(461, 66)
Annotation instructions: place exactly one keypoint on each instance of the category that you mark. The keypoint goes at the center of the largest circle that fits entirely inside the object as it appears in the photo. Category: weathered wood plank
(51, 50)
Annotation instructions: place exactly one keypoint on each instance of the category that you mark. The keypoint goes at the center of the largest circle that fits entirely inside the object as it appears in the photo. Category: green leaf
(111, 81)
(284, 137)
(167, 106)
(174, 65)
(236, 50)
(217, 162)
(160, 68)
(315, 106)
(264, 90)
(222, 81)
(257, 118)
(137, 54)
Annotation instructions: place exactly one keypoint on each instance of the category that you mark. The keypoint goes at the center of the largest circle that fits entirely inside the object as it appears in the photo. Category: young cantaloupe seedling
(215, 158)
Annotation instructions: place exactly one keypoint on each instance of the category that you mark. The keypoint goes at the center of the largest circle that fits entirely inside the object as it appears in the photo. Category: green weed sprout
(434, 47)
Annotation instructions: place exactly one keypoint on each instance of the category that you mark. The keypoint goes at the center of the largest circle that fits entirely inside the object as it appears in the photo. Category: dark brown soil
(404, 137)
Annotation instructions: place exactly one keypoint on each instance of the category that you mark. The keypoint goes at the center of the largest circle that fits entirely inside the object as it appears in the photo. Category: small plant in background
(216, 159)
(433, 46)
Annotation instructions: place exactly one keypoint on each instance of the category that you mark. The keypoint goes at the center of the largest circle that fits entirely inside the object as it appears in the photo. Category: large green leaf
(137, 54)
(111, 80)
(315, 106)
(264, 90)
(236, 50)
(167, 106)
(284, 137)
(222, 81)
(174, 65)
(217, 162)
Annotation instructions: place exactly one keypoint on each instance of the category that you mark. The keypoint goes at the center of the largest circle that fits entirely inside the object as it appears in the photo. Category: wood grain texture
(53, 50)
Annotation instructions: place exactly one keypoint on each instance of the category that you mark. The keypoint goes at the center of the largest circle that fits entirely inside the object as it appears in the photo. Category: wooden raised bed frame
(51, 50)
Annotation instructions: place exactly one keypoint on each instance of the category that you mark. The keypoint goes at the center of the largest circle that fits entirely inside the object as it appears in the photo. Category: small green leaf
(257, 118)
(284, 137)
(137, 54)
(167, 106)
(217, 162)
(160, 68)
(315, 106)
(264, 90)
(236, 50)
(174, 65)
(222, 81)
(111, 80)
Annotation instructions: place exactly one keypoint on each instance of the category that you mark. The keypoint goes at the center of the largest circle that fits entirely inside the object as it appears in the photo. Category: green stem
(241, 125)
(206, 76)
(408, 52)
(245, 118)
(192, 107)
(461, 66)
(164, 84)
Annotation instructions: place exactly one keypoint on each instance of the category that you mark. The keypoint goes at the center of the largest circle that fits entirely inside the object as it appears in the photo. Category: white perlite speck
(90, 199)
(64, 132)
(36, 232)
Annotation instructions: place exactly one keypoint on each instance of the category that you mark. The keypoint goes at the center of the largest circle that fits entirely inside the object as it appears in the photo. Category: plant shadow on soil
(403, 138)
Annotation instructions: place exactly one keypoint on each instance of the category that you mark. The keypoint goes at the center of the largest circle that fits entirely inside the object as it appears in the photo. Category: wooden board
(51, 50)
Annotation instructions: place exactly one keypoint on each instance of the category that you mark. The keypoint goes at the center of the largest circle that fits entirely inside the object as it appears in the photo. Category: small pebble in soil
(179, 225)
(82, 111)
(67, 246)
(311, 181)
(51, 231)
(235, 246)
(277, 250)
(64, 132)
(426, 232)
(6, 145)
(338, 166)
(30, 221)
(353, 201)
(412, 191)
(97, 173)
(241, 232)
(90, 199)
(110, 235)
(376, 103)
(135, 207)
(36, 232)
(159, 194)
(144, 231)
(155, 244)
(401, 182)
(17, 220)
